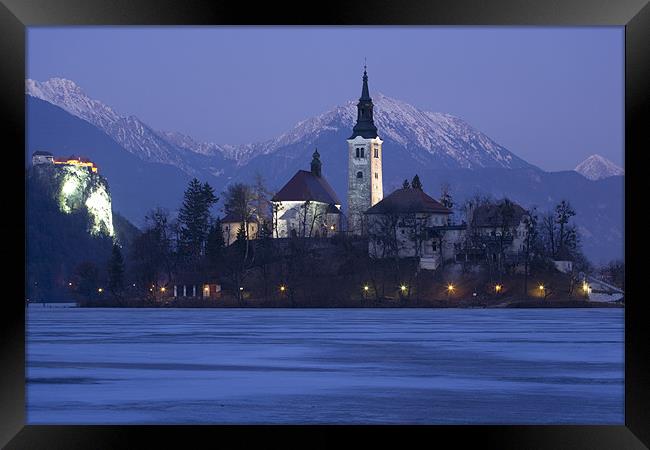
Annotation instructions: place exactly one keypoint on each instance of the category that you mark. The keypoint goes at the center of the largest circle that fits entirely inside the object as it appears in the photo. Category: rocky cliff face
(75, 187)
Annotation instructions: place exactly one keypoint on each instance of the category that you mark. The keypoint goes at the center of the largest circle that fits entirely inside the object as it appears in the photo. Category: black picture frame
(16, 15)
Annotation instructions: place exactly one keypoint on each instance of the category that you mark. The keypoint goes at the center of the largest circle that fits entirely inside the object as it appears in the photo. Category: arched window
(376, 176)
(359, 174)
(357, 152)
(362, 152)
(376, 152)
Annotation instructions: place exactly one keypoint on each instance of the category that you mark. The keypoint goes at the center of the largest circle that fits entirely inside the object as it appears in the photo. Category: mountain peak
(597, 167)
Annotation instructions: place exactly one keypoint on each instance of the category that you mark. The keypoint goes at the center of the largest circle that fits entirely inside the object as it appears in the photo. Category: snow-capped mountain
(448, 139)
(428, 137)
(597, 167)
(130, 132)
(138, 183)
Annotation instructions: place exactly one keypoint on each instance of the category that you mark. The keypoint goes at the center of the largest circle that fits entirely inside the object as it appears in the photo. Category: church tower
(365, 182)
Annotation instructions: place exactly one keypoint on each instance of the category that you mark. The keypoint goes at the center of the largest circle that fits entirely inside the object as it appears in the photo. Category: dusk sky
(553, 96)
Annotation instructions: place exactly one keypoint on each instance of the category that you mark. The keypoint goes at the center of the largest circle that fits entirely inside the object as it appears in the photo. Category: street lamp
(541, 290)
(100, 290)
(283, 288)
(498, 288)
(450, 290)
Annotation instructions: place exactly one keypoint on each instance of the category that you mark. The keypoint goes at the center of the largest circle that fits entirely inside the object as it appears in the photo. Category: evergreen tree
(406, 185)
(194, 217)
(116, 271)
(416, 183)
(215, 243)
(241, 236)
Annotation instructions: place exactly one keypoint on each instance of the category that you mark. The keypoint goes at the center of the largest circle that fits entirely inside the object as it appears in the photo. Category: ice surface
(548, 366)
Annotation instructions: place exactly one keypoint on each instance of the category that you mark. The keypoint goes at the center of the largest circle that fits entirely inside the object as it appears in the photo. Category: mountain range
(147, 167)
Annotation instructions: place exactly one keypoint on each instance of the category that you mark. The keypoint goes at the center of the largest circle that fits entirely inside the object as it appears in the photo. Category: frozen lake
(330, 366)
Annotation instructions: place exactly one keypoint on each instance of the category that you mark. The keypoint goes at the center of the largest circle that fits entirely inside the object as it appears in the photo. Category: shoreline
(382, 304)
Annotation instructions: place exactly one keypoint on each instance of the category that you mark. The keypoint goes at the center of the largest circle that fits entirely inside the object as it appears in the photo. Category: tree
(116, 272)
(548, 226)
(530, 242)
(416, 183)
(416, 226)
(260, 198)
(87, 275)
(566, 235)
(215, 243)
(277, 208)
(445, 196)
(406, 185)
(506, 219)
(151, 252)
(194, 217)
(266, 255)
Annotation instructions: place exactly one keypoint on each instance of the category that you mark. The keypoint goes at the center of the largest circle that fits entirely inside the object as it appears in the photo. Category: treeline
(188, 248)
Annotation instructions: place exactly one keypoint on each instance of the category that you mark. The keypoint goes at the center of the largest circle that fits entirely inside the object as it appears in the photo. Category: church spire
(316, 164)
(365, 126)
(365, 94)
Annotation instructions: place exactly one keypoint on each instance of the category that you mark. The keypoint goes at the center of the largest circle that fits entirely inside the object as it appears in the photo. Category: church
(307, 206)
(407, 223)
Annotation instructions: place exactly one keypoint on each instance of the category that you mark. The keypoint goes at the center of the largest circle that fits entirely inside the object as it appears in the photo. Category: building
(306, 206)
(365, 181)
(230, 226)
(495, 230)
(41, 157)
(79, 161)
(203, 290)
(409, 223)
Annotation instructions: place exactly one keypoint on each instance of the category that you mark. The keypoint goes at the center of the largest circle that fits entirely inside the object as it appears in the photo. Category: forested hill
(58, 243)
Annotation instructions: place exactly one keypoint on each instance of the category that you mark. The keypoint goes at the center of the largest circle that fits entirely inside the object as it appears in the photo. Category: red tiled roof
(307, 186)
(405, 201)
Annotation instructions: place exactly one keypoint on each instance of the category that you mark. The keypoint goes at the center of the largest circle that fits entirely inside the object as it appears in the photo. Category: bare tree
(416, 228)
(260, 198)
(566, 235)
(239, 201)
(277, 208)
(530, 241)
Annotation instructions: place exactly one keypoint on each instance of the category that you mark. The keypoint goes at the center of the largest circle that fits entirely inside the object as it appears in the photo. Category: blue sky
(553, 96)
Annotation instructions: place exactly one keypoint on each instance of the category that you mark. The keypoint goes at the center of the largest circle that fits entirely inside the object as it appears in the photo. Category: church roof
(41, 153)
(306, 186)
(409, 200)
(365, 125)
